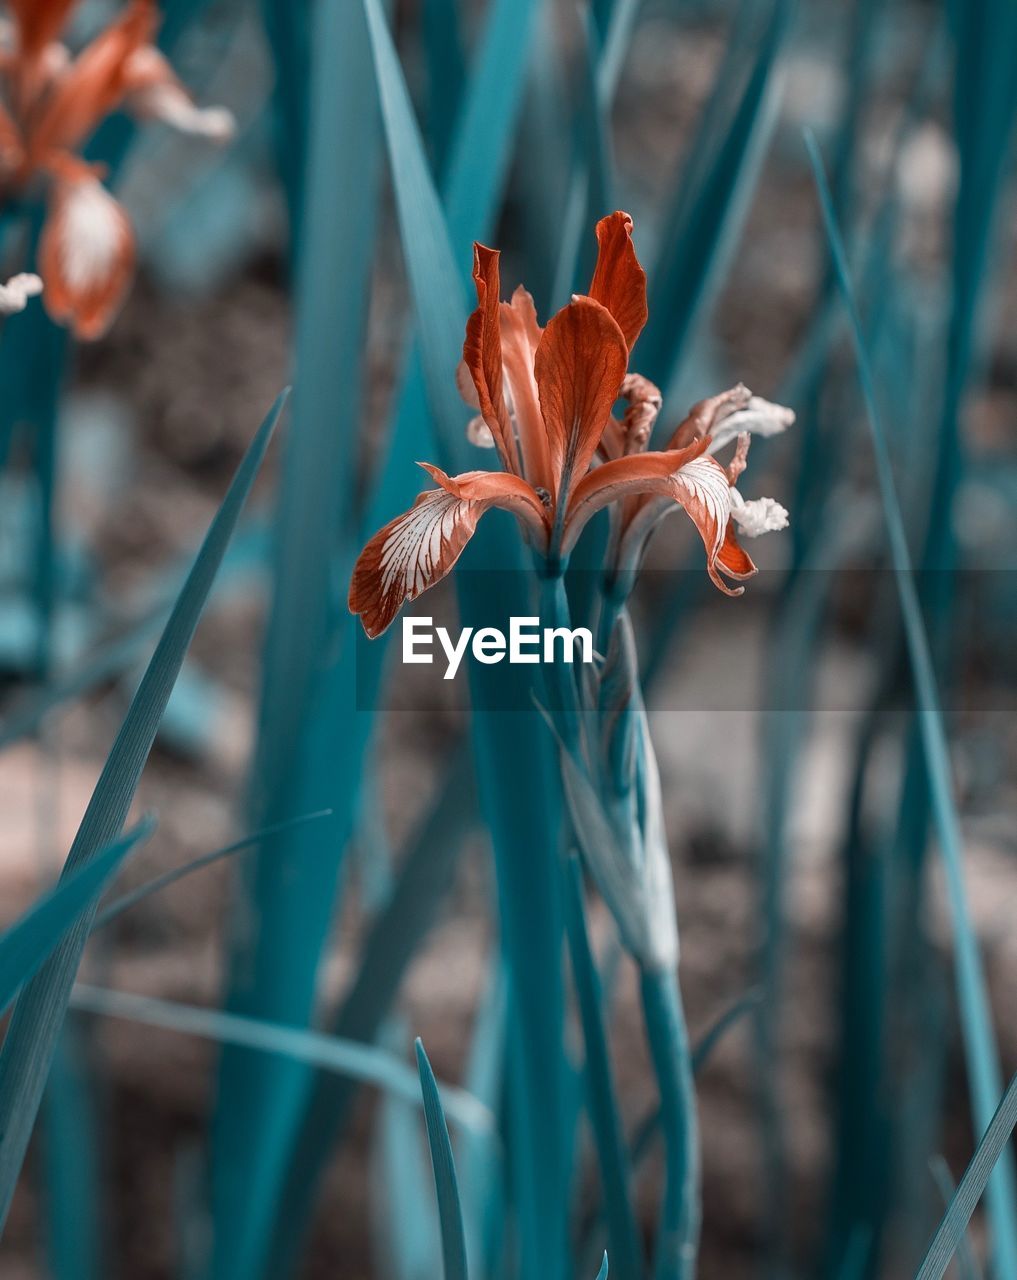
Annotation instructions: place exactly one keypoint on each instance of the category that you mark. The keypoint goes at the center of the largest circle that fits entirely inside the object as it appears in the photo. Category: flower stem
(678, 1236)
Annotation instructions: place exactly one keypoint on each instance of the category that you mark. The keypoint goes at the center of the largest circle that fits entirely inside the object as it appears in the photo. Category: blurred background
(810, 897)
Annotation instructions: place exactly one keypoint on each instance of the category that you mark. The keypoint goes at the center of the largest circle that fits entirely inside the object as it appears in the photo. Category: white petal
(761, 515)
(15, 293)
(759, 417)
(479, 433)
(169, 103)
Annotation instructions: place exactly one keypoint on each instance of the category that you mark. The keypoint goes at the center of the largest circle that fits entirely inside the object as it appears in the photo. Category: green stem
(678, 1236)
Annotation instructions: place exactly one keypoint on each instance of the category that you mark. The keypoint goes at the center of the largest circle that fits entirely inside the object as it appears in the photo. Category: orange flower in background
(545, 399)
(52, 102)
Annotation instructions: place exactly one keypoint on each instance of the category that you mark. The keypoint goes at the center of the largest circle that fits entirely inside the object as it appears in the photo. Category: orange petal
(619, 282)
(732, 558)
(39, 22)
(688, 477)
(496, 489)
(705, 414)
(579, 365)
(701, 487)
(95, 83)
(482, 354)
(86, 257)
(645, 474)
(520, 337)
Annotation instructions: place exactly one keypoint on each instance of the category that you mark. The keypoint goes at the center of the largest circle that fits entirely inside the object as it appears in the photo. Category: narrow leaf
(970, 1188)
(604, 1117)
(450, 1214)
(30, 940)
(39, 1011)
(362, 1062)
(158, 883)
(984, 1077)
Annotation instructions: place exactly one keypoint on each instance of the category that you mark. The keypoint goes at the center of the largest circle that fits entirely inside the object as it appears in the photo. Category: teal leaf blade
(981, 1051)
(604, 1115)
(26, 943)
(124, 903)
(312, 737)
(970, 1188)
(363, 1062)
(450, 1213)
(39, 1011)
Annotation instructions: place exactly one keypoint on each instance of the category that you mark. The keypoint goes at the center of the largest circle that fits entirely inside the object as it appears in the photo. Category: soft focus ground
(189, 380)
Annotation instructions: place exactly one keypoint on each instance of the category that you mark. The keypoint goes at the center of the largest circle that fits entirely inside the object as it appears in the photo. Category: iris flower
(50, 104)
(546, 401)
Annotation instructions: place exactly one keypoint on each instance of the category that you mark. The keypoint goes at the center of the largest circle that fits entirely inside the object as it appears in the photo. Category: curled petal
(633, 433)
(417, 549)
(687, 477)
(15, 293)
(705, 417)
(86, 257)
(759, 417)
(153, 92)
(579, 366)
(619, 282)
(482, 354)
(701, 487)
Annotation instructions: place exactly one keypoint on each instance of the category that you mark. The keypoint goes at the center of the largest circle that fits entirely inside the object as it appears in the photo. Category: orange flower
(545, 398)
(51, 104)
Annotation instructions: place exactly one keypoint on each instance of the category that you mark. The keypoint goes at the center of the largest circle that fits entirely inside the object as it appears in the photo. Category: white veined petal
(705, 483)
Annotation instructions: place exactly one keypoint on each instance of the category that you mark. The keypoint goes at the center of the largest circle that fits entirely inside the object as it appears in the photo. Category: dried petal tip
(761, 515)
(174, 108)
(759, 417)
(15, 293)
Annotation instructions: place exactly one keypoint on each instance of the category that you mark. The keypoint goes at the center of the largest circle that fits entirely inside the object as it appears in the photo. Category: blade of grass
(38, 1014)
(423, 881)
(72, 1158)
(690, 254)
(158, 883)
(446, 74)
(988, 1153)
(623, 1232)
(522, 815)
(680, 1213)
(362, 1062)
(450, 1213)
(288, 27)
(31, 939)
(401, 1184)
(311, 734)
(984, 1077)
(967, 1264)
